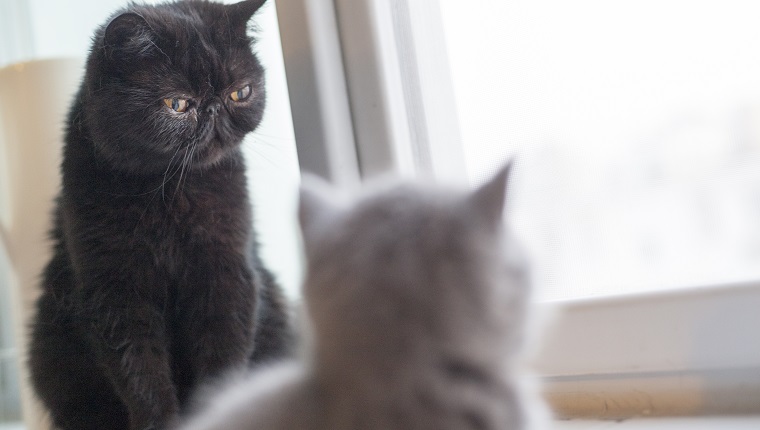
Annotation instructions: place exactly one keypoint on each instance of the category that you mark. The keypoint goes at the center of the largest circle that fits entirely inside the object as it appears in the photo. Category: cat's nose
(213, 108)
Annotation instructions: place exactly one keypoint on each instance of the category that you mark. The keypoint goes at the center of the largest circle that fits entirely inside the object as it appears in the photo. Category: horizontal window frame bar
(678, 352)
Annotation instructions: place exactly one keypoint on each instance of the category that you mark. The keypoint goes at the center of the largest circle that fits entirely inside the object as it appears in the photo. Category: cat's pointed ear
(240, 13)
(315, 207)
(488, 200)
(127, 29)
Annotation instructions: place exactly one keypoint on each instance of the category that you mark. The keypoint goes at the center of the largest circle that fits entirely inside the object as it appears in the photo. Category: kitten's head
(172, 82)
(409, 270)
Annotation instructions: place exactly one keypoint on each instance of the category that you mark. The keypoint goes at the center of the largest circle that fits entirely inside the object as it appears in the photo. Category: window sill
(692, 352)
(701, 423)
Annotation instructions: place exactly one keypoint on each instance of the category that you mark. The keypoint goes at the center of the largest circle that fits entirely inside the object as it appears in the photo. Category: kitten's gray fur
(417, 298)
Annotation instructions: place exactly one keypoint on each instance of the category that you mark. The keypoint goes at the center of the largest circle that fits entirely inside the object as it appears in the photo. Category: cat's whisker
(163, 182)
(257, 134)
(263, 140)
(189, 162)
(261, 155)
(185, 163)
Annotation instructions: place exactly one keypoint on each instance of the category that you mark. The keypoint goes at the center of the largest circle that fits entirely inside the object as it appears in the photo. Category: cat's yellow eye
(177, 105)
(241, 94)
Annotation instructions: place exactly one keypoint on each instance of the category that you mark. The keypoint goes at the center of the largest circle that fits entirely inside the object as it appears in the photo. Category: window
(637, 151)
(635, 124)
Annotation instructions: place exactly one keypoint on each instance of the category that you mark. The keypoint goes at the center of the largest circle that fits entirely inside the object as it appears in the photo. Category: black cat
(155, 284)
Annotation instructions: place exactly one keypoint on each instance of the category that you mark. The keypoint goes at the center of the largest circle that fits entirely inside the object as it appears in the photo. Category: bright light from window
(637, 125)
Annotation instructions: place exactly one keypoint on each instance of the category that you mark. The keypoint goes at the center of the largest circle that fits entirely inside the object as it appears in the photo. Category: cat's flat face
(174, 82)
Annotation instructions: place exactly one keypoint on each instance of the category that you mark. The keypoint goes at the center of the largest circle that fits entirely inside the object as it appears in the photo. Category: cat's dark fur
(155, 284)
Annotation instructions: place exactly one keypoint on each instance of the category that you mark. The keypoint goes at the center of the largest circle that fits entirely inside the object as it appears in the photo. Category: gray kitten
(417, 298)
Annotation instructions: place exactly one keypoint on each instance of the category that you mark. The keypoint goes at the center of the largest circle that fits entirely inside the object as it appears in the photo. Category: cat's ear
(127, 38)
(488, 200)
(315, 207)
(127, 29)
(240, 13)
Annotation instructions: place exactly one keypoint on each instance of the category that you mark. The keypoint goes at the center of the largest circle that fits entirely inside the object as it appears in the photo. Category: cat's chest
(201, 215)
(171, 221)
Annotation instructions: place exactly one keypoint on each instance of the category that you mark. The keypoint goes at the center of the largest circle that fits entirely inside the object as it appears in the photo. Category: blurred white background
(636, 126)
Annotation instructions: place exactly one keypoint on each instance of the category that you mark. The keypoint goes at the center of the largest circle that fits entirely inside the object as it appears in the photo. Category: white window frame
(357, 96)
(690, 351)
(318, 92)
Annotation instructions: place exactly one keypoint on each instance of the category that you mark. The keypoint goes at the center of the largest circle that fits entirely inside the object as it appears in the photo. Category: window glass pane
(637, 130)
(273, 173)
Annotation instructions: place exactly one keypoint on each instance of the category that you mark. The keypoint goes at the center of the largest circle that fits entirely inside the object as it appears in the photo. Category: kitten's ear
(315, 206)
(240, 13)
(488, 200)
